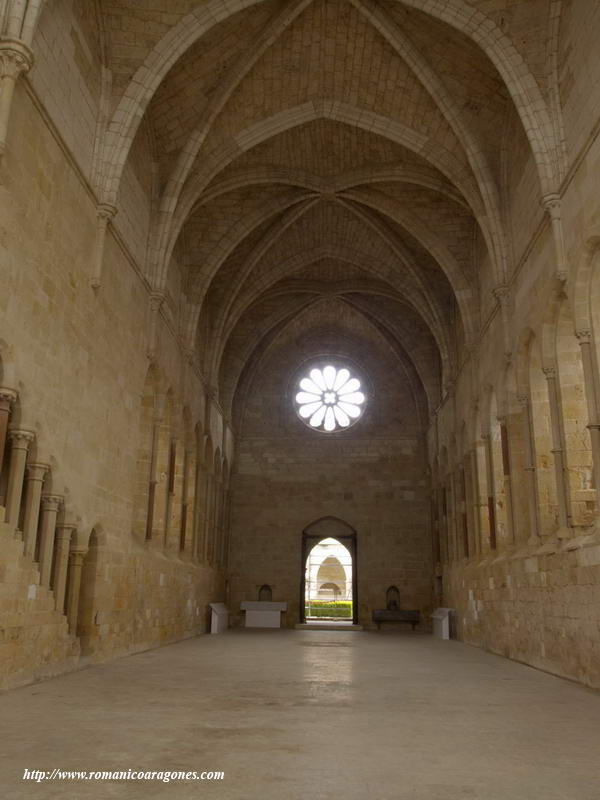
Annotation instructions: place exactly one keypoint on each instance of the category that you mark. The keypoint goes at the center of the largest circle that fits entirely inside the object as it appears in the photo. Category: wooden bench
(396, 615)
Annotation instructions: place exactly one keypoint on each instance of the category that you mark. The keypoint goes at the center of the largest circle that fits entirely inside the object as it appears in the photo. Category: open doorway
(328, 581)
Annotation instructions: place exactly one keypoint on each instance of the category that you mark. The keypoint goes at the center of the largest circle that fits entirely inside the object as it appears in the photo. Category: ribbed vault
(314, 155)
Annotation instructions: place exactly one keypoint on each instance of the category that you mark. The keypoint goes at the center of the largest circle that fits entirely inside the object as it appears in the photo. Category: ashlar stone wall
(372, 476)
(78, 361)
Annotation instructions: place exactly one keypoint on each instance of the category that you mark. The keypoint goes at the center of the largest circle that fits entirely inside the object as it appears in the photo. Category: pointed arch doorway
(338, 577)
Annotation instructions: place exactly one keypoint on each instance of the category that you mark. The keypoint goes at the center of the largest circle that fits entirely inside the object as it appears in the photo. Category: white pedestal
(219, 620)
(262, 614)
(441, 622)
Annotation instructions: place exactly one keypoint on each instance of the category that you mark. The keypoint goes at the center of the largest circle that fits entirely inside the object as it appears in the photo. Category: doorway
(328, 585)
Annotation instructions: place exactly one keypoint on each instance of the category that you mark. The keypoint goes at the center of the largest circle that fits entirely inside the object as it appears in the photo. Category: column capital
(522, 400)
(20, 438)
(549, 372)
(106, 211)
(76, 556)
(7, 396)
(584, 336)
(501, 293)
(552, 203)
(51, 502)
(64, 531)
(15, 57)
(156, 300)
(36, 470)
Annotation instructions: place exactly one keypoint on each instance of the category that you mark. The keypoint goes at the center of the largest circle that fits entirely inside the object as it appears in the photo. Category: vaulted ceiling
(312, 152)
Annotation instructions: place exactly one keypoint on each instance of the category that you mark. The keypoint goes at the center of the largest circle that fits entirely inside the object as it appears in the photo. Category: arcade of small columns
(528, 467)
(183, 483)
(187, 513)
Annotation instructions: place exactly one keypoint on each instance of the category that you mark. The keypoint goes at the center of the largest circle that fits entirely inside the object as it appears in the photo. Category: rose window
(330, 398)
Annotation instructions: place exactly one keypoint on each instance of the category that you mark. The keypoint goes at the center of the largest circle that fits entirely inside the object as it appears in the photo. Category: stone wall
(535, 605)
(371, 476)
(77, 359)
(534, 597)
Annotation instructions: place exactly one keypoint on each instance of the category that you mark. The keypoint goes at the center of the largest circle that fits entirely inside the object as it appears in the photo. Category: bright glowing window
(329, 398)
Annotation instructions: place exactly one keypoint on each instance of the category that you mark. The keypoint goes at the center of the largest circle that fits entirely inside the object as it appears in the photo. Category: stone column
(152, 479)
(208, 518)
(50, 506)
(226, 526)
(464, 524)
(64, 533)
(198, 516)
(33, 495)
(170, 496)
(187, 460)
(491, 498)
(20, 441)
(552, 204)
(558, 449)
(530, 470)
(476, 502)
(15, 58)
(590, 382)
(7, 398)
(506, 474)
(218, 523)
(104, 213)
(76, 557)
(452, 519)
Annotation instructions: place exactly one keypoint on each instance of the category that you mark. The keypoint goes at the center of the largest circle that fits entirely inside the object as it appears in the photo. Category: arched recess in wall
(515, 419)
(501, 474)
(209, 482)
(225, 517)
(199, 493)
(144, 474)
(188, 483)
(594, 301)
(164, 474)
(217, 510)
(578, 449)
(462, 496)
(443, 505)
(586, 311)
(542, 440)
(87, 622)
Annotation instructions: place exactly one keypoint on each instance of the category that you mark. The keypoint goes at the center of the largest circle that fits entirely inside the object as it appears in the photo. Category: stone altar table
(262, 614)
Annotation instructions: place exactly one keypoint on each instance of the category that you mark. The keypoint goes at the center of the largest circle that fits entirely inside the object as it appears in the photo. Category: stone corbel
(15, 58)
(552, 204)
(104, 213)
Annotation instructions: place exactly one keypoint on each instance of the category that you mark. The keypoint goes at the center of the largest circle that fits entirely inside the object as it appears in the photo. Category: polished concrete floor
(308, 714)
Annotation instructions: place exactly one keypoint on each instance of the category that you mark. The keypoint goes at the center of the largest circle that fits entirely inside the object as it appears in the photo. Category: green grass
(324, 608)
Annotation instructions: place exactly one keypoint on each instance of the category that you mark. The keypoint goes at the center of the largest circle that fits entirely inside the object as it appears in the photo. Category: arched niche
(265, 593)
(392, 598)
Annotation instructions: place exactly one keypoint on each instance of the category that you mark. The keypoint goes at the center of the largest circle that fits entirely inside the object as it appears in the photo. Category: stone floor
(308, 714)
